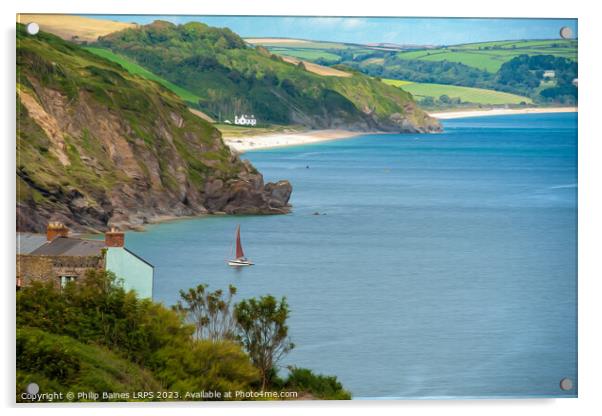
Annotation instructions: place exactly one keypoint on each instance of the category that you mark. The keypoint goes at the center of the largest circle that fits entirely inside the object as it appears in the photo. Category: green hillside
(465, 94)
(308, 54)
(99, 146)
(231, 78)
(61, 363)
(490, 56)
(136, 69)
(323, 52)
(92, 336)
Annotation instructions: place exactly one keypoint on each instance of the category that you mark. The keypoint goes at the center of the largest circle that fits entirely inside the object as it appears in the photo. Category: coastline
(446, 115)
(242, 144)
(247, 142)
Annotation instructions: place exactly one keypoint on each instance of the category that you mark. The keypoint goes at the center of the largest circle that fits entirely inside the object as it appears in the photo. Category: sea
(416, 266)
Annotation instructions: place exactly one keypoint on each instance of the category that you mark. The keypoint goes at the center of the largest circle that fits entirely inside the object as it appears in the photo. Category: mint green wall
(135, 273)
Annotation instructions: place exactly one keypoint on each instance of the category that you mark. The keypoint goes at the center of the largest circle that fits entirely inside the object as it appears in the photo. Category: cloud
(339, 22)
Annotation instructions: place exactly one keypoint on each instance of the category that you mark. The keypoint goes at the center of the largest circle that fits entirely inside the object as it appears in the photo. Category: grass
(490, 56)
(61, 363)
(136, 69)
(306, 54)
(297, 43)
(466, 94)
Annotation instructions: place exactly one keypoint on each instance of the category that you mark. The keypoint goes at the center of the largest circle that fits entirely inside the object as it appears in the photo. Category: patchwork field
(318, 69)
(297, 43)
(72, 27)
(490, 56)
(466, 94)
(306, 54)
(312, 50)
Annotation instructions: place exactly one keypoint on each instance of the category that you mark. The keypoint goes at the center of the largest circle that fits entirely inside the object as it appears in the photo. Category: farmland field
(305, 54)
(74, 28)
(296, 43)
(490, 56)
(466, 94)
(136, 69)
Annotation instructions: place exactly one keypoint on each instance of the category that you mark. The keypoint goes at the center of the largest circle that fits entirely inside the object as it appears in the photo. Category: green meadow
(136, 69)
(306, 54)
(490, 56)
(466, 94)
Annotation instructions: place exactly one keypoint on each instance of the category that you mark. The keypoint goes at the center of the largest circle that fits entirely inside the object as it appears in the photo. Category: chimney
(114, 238)
(56, 229)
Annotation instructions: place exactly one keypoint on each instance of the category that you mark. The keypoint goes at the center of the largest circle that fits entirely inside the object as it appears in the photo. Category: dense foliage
(522, 75)
(94, 336)
(231, 78)
(97, 315)
(528, 73)
(440, 72)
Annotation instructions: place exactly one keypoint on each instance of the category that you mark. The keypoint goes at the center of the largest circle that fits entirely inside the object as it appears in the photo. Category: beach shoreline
(242, 144)
(446, 115)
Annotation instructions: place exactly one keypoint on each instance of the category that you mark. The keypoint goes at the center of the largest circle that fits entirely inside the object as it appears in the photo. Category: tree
(209, 312)
(263, 332)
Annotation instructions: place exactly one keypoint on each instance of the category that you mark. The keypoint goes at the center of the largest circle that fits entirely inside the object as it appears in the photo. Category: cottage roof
(28, 242)
(68, 246)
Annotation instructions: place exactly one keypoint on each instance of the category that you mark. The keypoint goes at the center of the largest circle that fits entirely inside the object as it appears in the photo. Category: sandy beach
(245, 143)
(500, 112)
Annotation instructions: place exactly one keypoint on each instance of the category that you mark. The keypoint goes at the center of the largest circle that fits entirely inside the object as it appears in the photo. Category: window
(67, 279)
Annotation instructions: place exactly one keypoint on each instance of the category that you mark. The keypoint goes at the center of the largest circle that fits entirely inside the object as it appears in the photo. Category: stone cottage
(60, 258)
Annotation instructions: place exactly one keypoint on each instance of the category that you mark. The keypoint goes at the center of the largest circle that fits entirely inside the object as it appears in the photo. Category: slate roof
(67, 246)
(28, 242)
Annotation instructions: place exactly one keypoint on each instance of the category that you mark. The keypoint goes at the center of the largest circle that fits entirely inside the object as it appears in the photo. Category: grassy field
(297, 43)
(71, 27)
(311, 50)
(466, 94)
(305, 54)
(318, 69)
(136, 69)
(489, 56)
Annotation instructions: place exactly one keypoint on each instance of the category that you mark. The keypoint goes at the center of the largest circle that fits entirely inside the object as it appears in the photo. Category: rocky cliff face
(99, 147)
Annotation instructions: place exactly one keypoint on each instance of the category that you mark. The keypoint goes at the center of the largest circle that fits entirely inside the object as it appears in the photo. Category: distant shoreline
(445, 115)
(248, 142)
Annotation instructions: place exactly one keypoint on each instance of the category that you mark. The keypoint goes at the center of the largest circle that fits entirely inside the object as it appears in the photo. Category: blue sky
(439, 31)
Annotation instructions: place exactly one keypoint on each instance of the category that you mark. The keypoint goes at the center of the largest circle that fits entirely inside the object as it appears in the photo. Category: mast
(239, 252)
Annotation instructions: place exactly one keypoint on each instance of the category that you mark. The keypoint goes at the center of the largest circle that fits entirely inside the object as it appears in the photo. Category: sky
(422, 31)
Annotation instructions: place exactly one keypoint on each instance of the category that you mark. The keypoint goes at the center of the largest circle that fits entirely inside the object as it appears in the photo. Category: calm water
(442, 266)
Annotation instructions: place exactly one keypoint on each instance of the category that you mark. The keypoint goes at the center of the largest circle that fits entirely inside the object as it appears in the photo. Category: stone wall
(51, 268)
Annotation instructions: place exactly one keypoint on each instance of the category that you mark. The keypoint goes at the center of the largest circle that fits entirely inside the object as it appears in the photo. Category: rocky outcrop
(98, 147)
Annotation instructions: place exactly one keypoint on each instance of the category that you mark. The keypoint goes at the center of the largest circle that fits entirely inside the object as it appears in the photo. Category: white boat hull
(240, 263)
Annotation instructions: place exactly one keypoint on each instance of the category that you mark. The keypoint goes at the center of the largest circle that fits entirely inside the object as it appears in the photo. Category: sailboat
(240, 259)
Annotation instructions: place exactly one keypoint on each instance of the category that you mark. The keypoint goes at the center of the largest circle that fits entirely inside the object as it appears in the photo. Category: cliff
(99, 147)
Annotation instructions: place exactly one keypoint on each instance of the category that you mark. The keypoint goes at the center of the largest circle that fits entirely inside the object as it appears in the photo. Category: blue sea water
(442, 265)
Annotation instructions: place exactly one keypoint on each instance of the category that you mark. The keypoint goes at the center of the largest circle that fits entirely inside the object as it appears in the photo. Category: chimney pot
(114, 238)
(56, 229)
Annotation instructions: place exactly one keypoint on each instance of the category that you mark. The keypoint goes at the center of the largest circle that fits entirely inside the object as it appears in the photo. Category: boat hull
(239, 263)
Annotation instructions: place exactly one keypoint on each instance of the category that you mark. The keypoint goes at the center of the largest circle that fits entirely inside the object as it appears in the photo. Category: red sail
(239, 252)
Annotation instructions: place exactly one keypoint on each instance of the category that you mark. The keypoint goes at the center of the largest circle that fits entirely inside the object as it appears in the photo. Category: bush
(321, 387)
(143, 333)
